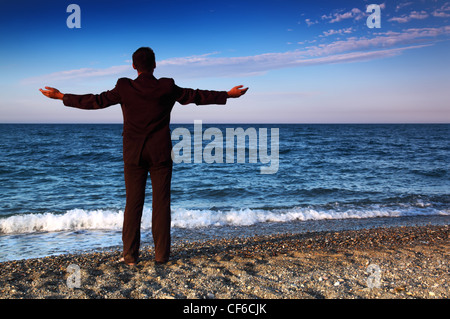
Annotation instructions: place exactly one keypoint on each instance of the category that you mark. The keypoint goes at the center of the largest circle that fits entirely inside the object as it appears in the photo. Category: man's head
(144, 60)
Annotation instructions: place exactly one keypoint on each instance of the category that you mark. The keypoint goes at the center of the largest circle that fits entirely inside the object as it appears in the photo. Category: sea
(62, 187)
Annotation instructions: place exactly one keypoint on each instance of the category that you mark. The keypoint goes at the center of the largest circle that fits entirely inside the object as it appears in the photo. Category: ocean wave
(79, 219)
(435, 172)
(76, 219)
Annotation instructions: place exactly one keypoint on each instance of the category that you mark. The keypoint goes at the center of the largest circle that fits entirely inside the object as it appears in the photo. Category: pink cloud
(413, 15)
(402, 5)
(442, 12)
(332, 32)
(352, 49)
(309, 22)
(355, 13)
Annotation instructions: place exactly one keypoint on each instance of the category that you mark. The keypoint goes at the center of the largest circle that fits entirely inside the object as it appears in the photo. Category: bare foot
(122, 260)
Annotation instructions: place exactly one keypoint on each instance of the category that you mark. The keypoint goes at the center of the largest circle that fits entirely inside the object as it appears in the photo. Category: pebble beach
(378, 263)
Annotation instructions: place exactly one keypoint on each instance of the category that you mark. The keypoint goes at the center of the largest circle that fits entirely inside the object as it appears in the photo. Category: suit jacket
(146, 105)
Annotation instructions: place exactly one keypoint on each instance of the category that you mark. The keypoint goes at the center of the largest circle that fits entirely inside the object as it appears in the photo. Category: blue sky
(304, 61)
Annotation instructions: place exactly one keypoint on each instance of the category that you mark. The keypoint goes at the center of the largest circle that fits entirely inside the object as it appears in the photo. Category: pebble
(276, 266)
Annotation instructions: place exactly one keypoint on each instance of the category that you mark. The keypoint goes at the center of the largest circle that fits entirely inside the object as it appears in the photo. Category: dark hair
(144, 59)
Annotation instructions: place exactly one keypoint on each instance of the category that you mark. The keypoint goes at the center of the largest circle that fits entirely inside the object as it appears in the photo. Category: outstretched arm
(203, 97)
(84, 101)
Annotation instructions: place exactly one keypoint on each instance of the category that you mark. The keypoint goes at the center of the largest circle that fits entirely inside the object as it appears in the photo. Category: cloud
(399, 19)
(413, 15)
(343, 51)
(260, 64)
(310, 23)
(382, 40)
(307, 41)
(354, 13)
(442, 12)
(418, 15)
(402, 5)
(82, 73)
(207, 65)
(332, 32)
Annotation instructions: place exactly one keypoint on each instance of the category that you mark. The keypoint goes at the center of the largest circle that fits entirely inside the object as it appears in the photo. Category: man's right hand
(237, 91)
(52, 93)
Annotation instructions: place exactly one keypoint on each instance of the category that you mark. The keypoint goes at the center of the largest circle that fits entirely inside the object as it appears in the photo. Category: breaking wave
(79, 219)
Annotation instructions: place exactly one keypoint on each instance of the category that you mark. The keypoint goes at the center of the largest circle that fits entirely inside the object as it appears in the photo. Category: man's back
(146, 105)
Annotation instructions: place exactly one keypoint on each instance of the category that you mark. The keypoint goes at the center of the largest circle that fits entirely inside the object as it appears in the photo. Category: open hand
(52, 93)
(237, 91)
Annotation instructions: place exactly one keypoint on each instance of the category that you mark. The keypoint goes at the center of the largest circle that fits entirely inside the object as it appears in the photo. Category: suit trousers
(135, 184)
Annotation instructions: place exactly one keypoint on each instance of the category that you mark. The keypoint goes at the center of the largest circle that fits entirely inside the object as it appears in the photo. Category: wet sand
(396, 262)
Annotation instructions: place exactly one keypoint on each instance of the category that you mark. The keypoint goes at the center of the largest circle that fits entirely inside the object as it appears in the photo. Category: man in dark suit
(146, 105)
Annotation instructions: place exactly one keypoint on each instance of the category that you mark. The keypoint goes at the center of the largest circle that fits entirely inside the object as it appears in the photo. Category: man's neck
(150, 73)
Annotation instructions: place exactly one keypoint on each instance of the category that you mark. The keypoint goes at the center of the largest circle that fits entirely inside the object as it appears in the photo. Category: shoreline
(51, 243)
(392, 262)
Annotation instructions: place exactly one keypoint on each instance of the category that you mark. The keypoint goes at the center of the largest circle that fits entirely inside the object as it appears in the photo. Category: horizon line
(222, 123)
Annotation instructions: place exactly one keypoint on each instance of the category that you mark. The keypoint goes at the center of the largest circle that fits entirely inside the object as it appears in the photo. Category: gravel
(396, 262)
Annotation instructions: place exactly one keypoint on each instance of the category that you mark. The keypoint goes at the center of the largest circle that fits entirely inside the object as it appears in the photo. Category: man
(146, 105)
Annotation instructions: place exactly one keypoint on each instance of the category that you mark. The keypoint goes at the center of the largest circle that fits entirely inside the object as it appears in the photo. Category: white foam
(199, 218)
(79, 219)
(76, 219)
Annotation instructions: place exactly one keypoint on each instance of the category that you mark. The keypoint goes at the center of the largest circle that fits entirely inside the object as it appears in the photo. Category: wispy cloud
(309, 22)
(333, 32)
(402, 5)
(411, 16)
(343, 51)
(260, 64)
(355, 13)
(352, 49)
(83, 73)
(442, 12)
(382, 40)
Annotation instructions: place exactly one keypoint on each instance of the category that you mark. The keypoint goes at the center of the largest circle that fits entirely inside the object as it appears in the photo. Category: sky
(304, 61)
